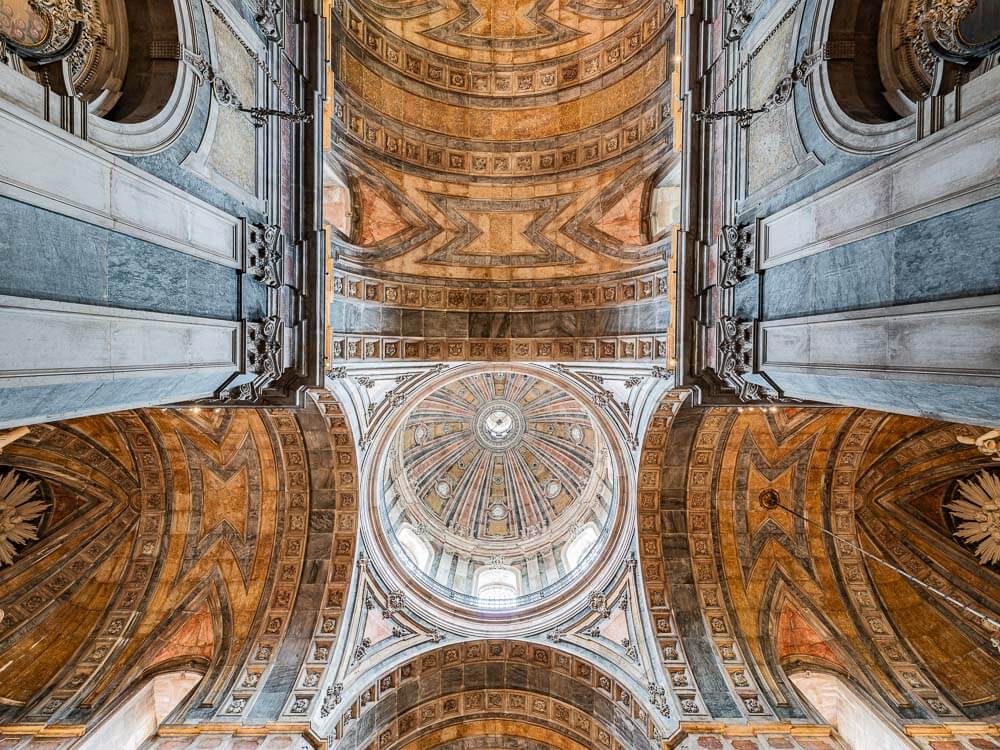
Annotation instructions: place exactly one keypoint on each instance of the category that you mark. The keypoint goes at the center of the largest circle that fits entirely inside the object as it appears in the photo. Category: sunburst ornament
(979, 511)
(19, 512)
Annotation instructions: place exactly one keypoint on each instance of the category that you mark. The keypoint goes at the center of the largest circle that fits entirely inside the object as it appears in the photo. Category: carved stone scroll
(737, 257)
(264, 254)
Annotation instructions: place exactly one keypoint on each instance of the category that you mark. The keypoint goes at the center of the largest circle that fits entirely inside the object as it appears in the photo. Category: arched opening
(153, 61)
(854, 68)
(418, 550)
(858, 724)
(580, 545)
(138, 718)
(496, 586)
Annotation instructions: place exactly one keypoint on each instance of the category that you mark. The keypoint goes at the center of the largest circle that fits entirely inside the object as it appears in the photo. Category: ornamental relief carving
(930, 46)
(80, 48)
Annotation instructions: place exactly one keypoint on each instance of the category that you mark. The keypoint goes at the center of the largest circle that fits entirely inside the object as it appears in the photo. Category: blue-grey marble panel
(44, 403)
(947, 401)
(49, 256)
(945, 257)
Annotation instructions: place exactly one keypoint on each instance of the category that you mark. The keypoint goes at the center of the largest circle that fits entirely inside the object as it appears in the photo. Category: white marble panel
(956, 340)
(44, 342)
(47, 167)
(955, 168)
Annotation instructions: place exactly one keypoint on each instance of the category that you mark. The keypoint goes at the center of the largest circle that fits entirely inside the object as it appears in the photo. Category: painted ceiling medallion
(498, 511)
(499, 425)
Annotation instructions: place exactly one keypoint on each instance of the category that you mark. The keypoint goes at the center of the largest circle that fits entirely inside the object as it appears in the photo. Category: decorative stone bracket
(263, 344)
(738, 257)
(268, 18)
(740, 17)
(265, 254)
(736, 351)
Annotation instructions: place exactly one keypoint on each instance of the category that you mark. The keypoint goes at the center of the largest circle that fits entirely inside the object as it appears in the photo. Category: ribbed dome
(498, 456)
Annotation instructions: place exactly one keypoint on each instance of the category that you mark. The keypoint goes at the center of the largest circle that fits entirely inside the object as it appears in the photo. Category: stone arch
(148, 703)
(857, 719)
(500, 688)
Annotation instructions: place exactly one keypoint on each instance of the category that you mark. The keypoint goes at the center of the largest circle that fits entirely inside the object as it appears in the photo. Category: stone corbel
(264, 254)
(736, 352)
(267, 17)
(740, 17)
(738, 256)
(263, 347)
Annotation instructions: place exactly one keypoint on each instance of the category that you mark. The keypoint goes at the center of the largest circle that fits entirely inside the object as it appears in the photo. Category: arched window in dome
(496, 585)
(855, 720)
(419, 551)
(579, 546)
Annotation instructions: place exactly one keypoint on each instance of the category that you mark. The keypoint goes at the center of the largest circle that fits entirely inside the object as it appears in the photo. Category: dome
(497, 456)
(497, 490)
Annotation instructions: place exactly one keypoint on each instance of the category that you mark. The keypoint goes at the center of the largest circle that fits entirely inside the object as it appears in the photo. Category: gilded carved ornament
(19, 513)
(988, 443)
(935, 49)
(978, 511)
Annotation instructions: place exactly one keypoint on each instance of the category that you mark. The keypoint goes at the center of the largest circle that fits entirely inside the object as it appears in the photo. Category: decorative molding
(738, 257)
(628, 348)
(268, 18)
(265, 256)
(511, 299)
